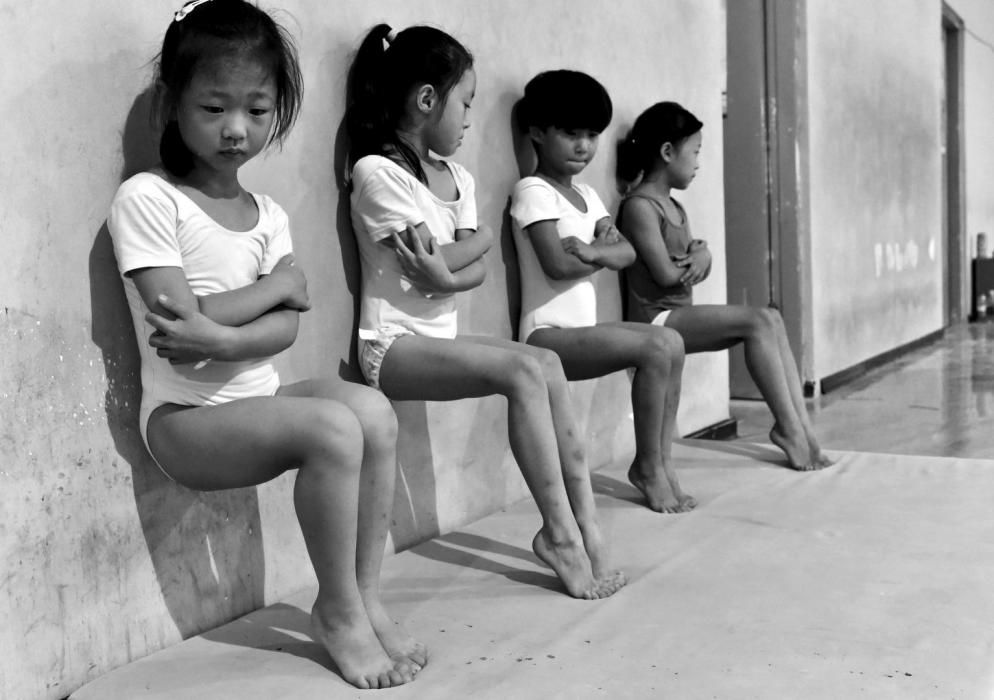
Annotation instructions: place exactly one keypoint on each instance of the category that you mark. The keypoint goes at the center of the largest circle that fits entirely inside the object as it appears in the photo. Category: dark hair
(565, 99)
(381, 78)
(661, 123)
(211, 32)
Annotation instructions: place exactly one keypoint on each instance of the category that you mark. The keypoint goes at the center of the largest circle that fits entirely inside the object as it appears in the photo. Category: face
(683, 165)
(564, 151)
(225, 114)
(452, 116)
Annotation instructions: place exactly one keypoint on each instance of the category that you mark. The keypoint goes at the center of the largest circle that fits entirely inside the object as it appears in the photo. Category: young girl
(660, 154)
(214, 293)
(414, 216)
(563, 236)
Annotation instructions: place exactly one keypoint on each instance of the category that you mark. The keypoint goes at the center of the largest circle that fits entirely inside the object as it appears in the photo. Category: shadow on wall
(206, 548)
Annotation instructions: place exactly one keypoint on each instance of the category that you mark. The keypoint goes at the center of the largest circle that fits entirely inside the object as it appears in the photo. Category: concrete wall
(875, 88)
(105, 560)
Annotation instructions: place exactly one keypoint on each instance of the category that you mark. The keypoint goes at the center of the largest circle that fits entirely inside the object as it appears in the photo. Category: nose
(234, 128)
(583, 144)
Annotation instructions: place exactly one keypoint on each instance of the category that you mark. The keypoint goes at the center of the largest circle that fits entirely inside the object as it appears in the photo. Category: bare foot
(352, 644)
(659, 491)
(819, 459)
(397, 643)
(593, 542)
(798, 454)
(572, 566)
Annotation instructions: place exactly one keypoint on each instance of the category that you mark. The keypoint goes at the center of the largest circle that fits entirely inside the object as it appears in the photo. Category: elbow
(556, 272)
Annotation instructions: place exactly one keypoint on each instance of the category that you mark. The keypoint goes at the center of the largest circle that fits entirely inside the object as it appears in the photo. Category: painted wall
(105, 560)
(874, 87)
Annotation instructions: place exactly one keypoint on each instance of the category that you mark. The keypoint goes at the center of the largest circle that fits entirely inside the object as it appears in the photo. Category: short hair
(565, 99)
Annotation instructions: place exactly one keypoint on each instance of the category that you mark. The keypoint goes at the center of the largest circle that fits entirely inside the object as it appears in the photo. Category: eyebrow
(254, 94)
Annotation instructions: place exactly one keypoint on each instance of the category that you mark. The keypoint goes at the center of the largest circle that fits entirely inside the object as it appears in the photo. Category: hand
(606, 233)
(294, 283)
(188, 337)
(696, 265)
(424, 267)
(584, 251)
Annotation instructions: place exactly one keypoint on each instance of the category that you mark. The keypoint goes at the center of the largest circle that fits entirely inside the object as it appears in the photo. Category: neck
(562, 179)
(213, 183)
(655, 184)
(415, 139)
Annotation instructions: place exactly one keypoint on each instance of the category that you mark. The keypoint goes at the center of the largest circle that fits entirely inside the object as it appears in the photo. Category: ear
(667, 152)
(163, 101)
(536, 135)
(425, 98)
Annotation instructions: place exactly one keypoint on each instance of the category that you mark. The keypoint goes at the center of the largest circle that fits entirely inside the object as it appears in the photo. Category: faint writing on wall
(895, 257)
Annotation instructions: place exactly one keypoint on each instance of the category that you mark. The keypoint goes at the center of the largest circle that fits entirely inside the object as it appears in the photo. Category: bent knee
(526, 371)
(664, 344)
(333, 431)
(376, 415)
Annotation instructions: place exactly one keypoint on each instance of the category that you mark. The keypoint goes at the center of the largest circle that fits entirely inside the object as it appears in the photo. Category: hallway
(937, 400)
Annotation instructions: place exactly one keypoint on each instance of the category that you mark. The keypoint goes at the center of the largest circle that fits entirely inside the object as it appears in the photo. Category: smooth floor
(937, 400)
(872, 579)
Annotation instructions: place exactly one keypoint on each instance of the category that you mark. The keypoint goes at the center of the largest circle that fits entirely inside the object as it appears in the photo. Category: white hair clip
(187, 9)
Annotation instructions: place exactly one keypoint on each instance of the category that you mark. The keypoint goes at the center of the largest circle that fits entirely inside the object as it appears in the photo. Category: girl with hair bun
(659, 155)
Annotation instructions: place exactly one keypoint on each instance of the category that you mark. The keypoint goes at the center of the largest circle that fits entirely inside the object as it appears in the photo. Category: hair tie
(390, 36)
(187, 9)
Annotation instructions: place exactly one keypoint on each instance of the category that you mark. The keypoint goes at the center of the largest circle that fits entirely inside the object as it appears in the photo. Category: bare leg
(250, 441)
(716, 327)
(573, 460)
(376, 489)
(656, 354)
(819, 460)
(432, 369)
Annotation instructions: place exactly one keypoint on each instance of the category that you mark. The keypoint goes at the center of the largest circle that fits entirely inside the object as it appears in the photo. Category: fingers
(286, 259)
(161, 324)
(412, 235)
(174, 307)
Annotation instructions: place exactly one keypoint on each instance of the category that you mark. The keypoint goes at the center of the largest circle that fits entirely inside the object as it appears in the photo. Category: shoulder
(637, 205)
(635, 209)
(460, 173)
(269, 209)
(531, 185)
(144, 198)
(146, 185)
(374, 167)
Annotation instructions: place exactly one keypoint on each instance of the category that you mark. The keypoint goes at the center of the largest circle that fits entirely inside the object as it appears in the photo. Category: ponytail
(663, 122)
(385, 70)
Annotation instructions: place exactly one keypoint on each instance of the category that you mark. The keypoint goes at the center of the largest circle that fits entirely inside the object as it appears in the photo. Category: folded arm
(442, 269)
(185, 333)
(640, 226)
(571, 258)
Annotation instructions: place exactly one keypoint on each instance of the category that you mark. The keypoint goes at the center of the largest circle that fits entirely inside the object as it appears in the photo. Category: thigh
(244, 442)
(593, 351)
(369, 404)
(442, 369)
(712, 326)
